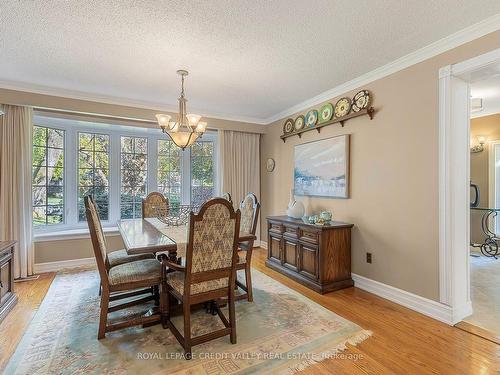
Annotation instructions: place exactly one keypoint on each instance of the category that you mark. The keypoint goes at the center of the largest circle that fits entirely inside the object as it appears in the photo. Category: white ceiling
(247, 59)
(489, 90)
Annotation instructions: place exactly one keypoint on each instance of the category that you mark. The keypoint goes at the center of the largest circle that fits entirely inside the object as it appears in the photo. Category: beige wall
(394, 175)
(85, 106)
(489, 127)
(61, 250)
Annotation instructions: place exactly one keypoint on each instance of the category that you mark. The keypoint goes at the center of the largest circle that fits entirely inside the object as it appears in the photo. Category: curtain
(239, 161)
(16, 127)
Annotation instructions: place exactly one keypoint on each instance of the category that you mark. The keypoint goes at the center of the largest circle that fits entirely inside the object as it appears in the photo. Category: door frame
(454, 179)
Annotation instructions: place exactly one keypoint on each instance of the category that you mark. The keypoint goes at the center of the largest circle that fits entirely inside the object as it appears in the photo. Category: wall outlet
(368, 257)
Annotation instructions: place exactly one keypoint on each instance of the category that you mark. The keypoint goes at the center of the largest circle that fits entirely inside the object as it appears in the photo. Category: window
(48, 176)
(134, 174)
(93, 172)
(202, 172)
(169, 170)
(117, 165)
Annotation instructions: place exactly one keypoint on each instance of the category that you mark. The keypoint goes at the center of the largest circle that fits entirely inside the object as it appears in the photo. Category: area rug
(280, 332)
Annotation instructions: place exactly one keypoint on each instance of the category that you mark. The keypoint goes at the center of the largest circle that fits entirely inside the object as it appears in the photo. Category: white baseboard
(57, 266)
(263, 244)
(433, 309)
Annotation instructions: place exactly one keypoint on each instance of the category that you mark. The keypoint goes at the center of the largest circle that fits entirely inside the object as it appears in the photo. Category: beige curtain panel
(16, 127)
(239, 159)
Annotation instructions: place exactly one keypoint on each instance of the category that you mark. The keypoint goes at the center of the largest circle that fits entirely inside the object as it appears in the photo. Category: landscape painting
(322, 168)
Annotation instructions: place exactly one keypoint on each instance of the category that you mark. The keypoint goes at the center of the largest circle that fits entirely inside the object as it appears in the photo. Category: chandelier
(187, 127)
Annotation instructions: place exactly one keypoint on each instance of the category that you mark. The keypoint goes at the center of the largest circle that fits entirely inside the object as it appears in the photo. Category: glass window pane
(169, 170)
(93, 173)
(133, 176)
(48, 176)
(202, 174)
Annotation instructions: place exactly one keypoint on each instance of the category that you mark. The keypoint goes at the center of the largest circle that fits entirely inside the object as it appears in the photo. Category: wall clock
(270, 164)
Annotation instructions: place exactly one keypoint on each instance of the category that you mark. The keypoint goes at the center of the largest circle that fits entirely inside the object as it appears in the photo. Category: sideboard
(7, 297)
(318, 257)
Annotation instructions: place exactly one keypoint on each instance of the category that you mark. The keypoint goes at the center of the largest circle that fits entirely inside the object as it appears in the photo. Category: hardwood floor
(30, 294)
(403, 341)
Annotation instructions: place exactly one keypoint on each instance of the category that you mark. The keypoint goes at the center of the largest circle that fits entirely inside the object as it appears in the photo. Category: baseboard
(263, 244)
(57, 266)
(433, 309)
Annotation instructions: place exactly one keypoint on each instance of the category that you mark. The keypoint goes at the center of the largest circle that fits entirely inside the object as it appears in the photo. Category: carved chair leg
(232, 316)
(156, 294)
(187, 329)
(248, 276)
(103, 320)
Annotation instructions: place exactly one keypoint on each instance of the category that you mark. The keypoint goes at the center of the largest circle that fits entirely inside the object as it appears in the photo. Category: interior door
(494, 183)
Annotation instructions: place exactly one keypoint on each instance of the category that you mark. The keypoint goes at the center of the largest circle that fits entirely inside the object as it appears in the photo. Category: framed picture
(322, 168)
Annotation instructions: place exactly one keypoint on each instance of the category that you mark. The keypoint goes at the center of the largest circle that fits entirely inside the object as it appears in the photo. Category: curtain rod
(94, 115)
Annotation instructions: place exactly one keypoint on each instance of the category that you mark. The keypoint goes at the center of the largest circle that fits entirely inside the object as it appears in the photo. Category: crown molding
(79, 95)
(454, 40)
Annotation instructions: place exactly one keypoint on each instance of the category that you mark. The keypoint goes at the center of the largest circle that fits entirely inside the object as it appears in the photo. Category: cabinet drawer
(291, 231)
(309, 236)
(275, 228)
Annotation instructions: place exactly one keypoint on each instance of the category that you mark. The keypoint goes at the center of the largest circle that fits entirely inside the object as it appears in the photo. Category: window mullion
(71, 178)
(115, 171)
(186, 176)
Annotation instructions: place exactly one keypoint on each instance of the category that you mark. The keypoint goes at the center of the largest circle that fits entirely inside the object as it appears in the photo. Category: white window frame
(73, 127)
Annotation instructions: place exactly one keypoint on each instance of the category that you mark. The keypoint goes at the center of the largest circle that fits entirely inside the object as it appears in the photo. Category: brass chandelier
(187, 128)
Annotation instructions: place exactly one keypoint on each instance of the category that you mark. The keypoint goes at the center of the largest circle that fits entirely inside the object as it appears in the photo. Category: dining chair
(250, 209)
(209, 272)
(126, 280)
(154, 204)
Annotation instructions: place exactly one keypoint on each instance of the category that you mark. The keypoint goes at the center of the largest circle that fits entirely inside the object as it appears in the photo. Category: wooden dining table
(143, 236)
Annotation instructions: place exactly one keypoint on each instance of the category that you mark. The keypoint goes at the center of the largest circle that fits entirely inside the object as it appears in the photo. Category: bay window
(118, 165)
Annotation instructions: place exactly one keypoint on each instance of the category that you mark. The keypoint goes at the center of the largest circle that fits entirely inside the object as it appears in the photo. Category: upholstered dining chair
(126, 280)
(250, 209)
(210, 269)
(153, 204)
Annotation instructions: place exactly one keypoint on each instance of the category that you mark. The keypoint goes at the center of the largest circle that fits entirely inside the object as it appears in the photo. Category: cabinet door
(290, 253)
(5, 278)
(274, 248)
(308, 256)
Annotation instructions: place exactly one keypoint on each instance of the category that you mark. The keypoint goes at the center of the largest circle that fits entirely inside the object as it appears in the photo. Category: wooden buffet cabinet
(318, 257)
(7, 297)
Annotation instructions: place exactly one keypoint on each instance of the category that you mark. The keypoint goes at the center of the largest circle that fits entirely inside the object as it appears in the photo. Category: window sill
(71, 234)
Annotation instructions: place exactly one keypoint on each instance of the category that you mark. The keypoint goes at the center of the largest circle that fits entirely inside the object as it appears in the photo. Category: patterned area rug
(280, 332)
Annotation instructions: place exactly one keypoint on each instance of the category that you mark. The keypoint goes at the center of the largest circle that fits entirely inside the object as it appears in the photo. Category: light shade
(193, 119)
(201, 127)
(184, 139)
(163, 120)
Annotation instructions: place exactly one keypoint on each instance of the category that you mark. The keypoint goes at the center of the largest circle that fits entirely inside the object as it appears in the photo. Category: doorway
(456, 82)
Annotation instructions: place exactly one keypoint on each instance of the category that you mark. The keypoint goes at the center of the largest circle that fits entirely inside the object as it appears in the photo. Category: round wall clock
(311, 118)
(360, 100)
(288, 126)
(342, 107)
(270, 164)
(325, 113)
(299, 122)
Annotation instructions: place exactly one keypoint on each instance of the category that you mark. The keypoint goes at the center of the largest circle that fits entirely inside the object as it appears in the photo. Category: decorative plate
(311, 118)
(361, 100)
(288, 126)
(342, 107)
(325, 113)
(299, 122)
(270, 163)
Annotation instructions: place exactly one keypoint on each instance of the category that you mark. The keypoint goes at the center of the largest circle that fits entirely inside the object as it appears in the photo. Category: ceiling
(248, 60)
(488, 90)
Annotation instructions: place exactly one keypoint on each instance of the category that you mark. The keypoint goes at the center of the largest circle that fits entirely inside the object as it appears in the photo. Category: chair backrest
(153, 204)
(250, 209)
(212, 249)
(97, 237)
(227, 196)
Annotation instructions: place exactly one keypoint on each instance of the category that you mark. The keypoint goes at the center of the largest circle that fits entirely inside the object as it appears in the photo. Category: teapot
(326, 216)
